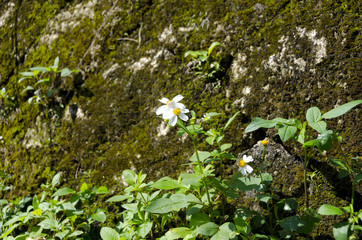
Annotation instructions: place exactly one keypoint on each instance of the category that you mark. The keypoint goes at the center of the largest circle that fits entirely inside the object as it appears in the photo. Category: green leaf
(340, 231)
(176, 233)
(164, 205)
(39, 69)
(118, 198)
(358, 178)
(56, 180)
(144, 229)
(225, 146)
(212, 46)
(313, 115)
(202, 156)
(320, 126)
(28, 88)
(246, 183)
(198, 219)
(99, 216)
(191, 179)
(27, 74)
(338, 163)
(84, 188)
(9, 231)
(301, 135)
(265, 197)
(327, 209)
(130, 177)
(242, 226)
(167, 183)
(230, 120)
(63, 191)
(257, 123)
(338, 111)
(65, 72)
(207, 229)
(226, 231)
(102, 190)
(48, 224)
(109, 234)
(285, 131)
(288, 204)
(56, 62)
(311, 219)
(292, 223)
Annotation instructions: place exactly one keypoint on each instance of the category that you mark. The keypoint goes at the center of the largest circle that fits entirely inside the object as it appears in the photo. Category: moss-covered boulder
(277, 59)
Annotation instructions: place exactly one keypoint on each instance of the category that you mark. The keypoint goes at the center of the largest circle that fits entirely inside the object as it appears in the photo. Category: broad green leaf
(102, 190)
(39, 69)
(202, 156)
(99, 216)
(176, 233)
(313, 115)
(130, 176)
(285, 131)
(62, 234)
(75, 233)
(167, 183)
(56, 180)
(109, 234)
(358, 178)
(226, 231)
(242, 226)
(56, 62)
(207, 229)
(51, 92)
(225, 146)
(265, 197)
(292, 223)
(63, 191)
(288, 204)
(340, 231)
(311, 219)
(212, 46)
(44, 80)
(246, 183)
(48, 224)
(257, 123)
(230, 120)
(164, 205)
(320, 126)
(66, 72)
(191, 179)
(118, 198)
(199, 219)
(327, 209)
(144, 229)
(84, 188)
(8, 231)
(338, 111)
(324, 140)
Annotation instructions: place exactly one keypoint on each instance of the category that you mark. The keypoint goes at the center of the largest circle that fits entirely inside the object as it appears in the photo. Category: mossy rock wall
(279, 59)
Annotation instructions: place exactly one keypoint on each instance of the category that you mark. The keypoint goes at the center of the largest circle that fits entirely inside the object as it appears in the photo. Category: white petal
(184, 110)
(183, 117)
(179, 105)
(248, 158)
(164, 100)
(173, 120)
(167, 114)
(249, 169)
(177, 98)
(172, 105)
(161, 109)
(243, 171)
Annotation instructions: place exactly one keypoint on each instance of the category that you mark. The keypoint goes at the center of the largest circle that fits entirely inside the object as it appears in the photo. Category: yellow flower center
(168, 102)
(177, 111)
(264, 142)
(242, 163)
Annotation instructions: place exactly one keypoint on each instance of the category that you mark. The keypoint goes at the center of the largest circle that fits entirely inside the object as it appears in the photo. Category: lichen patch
(9, 11)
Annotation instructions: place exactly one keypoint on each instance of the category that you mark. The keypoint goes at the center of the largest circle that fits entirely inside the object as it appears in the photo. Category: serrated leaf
(338, 111)
(327, 209)
(109, 234)
(313, 115)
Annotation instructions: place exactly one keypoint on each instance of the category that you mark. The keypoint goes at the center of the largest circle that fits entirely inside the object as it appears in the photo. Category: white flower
(243, 166)
(173, 109)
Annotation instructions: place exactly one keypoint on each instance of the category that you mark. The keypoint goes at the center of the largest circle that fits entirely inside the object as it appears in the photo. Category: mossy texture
(279, 58)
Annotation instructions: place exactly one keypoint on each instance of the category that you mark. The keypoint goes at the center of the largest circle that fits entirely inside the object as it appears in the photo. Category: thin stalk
(261, 168)
(305, 179)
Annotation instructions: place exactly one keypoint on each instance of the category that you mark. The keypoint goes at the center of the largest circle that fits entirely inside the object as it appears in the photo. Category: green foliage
(48, 80)
(205, 66)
